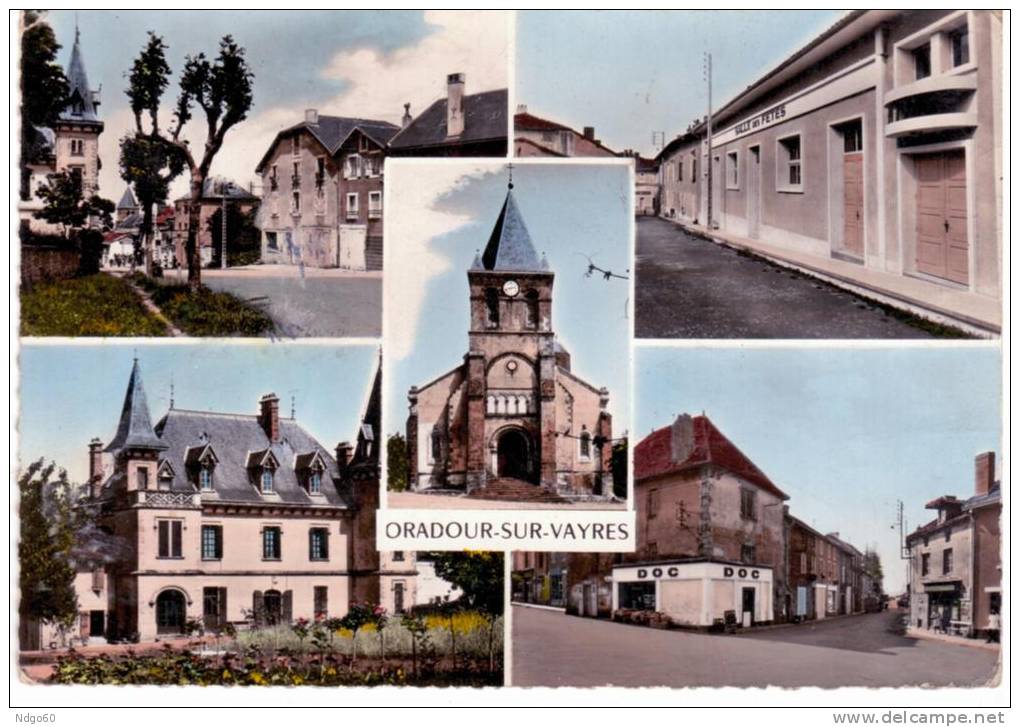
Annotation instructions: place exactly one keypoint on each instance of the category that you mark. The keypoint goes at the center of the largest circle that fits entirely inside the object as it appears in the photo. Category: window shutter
(288, 600)
(164, 539)
(325, 544)
(311, 544)
(257, 608)
(175, 540)
(223, 606)
(219, 544)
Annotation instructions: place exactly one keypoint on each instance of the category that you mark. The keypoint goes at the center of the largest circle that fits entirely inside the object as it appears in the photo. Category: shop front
(696, 592)
(948, 610)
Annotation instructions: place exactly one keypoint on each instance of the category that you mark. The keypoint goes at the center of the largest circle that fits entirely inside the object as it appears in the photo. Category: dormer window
(205, 478)
(315, 483)
(266, 481)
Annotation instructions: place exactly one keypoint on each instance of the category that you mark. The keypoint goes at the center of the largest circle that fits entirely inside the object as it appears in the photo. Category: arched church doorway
(513, 455)
(171, 611)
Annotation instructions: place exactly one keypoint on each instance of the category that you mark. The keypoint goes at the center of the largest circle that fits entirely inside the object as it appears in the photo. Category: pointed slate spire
(81, 106)
(510, 246)
(135, 428)
(127, 200)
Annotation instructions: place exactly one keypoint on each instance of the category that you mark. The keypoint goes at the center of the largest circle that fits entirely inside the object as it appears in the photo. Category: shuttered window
(169, 532)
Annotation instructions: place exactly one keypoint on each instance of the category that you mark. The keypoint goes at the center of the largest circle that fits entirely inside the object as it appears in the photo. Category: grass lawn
(95, 305)
(205, 312)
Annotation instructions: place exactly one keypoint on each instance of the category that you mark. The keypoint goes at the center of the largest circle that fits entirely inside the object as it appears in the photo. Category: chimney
(269, 416)
(312, 117)
(454, 104)
(522, 108)
(95, 467)
(405, 121)
(984, 473)
(682, 438)
(343, 456)
(589, 133)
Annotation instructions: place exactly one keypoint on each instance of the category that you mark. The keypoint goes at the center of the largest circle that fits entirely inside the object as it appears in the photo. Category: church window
(437, 445)
(490, 404)
(522, 404)
(531, 308)
(492, 307)
(585, 443)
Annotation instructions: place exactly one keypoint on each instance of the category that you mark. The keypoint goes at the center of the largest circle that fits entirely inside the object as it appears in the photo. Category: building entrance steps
(510, 489)
(977, 314)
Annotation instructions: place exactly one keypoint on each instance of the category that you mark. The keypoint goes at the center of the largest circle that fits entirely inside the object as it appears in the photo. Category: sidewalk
(916, 633)
(978, 314)
(275, 270)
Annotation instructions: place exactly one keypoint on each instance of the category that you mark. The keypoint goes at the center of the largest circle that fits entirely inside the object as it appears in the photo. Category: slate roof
(236, 439)
(127, 200)
(79, 90)
(132, 222)
(135, 427)
(484, 120)
(653, 456)
(332, 131)
(510, 246)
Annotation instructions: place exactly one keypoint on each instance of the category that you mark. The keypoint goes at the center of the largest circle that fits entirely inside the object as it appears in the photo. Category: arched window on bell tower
(492, 307)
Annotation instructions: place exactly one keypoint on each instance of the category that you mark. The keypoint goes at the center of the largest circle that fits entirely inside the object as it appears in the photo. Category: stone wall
(44, 263)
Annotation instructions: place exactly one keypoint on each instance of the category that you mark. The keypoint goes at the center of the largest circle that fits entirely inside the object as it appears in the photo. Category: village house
(217, 194)
(513, 421)
(813, 573)
(72, 145)
(540, 578)
(535, 136)
(956, 560)
(322, 183)
(232, 518)
(460, 125)
(871, 156)
(850, 564)
(646, 184)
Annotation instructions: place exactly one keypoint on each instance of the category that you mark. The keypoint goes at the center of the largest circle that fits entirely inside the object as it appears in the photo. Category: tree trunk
(146, 237)
(192, 250)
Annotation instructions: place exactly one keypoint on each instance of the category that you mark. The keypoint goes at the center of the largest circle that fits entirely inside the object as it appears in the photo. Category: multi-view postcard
(495, 357)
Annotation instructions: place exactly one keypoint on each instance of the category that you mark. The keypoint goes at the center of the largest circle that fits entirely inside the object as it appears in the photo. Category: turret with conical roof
(77, 130)
(135, 432)
(82, 101)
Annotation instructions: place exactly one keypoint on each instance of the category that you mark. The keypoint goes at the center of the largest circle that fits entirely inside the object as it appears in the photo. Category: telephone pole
(708, 134)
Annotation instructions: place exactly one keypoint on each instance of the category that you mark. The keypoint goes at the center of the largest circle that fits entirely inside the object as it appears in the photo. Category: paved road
(552, 649)
(328, 307)
(688, 287)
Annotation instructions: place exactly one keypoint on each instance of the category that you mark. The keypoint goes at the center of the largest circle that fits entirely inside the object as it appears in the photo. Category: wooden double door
(942, 243)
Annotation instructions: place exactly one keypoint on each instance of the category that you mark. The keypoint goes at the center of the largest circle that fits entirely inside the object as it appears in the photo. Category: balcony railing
(164, 498)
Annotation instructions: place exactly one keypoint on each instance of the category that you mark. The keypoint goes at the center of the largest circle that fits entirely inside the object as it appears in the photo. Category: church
(513, 421)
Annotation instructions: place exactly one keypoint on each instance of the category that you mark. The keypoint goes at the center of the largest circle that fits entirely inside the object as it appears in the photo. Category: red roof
(653, 456)
(164, 214)
(534, 123)
(114, 235)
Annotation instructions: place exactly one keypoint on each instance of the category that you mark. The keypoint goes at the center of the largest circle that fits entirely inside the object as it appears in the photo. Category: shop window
(318, 544)
(271, 546)
(748, 499)
(169, 536)
(922, 61)
(212, 542)
(947, 561)
(789, 164)
(732, 170)
(960, 44)
(638, 596)
(925, 563)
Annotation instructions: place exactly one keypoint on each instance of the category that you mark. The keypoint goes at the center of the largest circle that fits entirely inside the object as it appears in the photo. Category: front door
(753, 191)
(513, 455)
(853, 203)
(942, 244)
(97, 623)
(170, 612)
(747, 602)
(214, 607)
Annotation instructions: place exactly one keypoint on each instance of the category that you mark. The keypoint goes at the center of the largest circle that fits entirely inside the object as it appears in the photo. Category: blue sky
(440, 215)
(629, 73)
(844, 432)
(61, 412)
(352, 63)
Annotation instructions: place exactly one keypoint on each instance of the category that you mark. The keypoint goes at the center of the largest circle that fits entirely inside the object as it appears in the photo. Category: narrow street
(688, 287)
(553, 649)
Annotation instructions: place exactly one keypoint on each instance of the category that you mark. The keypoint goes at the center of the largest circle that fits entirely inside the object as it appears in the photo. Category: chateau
(513, 412)
(239, 518)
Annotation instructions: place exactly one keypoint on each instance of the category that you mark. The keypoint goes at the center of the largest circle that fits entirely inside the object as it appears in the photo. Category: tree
(222, 89)
(244, 244)
(147, 163)
(46, 575)
(479, 574)
(64, 204)
(618, 465)
(873, 568)
(397, 463)
(44, 87)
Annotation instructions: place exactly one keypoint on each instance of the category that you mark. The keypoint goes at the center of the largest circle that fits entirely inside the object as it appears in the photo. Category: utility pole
(708, 161)
(223, 228)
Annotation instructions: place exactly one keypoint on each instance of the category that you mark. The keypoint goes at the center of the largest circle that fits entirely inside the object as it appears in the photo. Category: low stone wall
(41, 263)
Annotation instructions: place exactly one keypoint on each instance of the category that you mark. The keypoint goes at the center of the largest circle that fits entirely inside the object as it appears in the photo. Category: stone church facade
(513, 412)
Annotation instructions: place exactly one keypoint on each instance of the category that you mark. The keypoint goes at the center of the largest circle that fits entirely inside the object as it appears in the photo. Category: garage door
(942, 215)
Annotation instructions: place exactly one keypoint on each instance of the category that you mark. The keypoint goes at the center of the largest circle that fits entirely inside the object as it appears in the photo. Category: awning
(951, 587)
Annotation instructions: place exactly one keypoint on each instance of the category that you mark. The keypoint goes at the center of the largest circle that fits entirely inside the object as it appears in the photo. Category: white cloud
(377, 86)
(412, 224)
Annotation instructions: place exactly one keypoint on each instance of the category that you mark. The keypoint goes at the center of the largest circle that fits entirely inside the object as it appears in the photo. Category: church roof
(135, 427)
(510, 246)
(82, 106)
(127, 200)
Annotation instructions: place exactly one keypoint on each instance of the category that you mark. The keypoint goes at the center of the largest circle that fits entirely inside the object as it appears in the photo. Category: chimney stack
(95, 467)
(312, 117)
(269, 416)
(454, 104)
(682, 438)
(405, 121)
(343, 456)
(984, 473)
(589, 133)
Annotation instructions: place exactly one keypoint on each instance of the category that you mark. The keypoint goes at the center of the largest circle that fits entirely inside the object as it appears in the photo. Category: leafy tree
(479, 574)
(222, 89)
(147, 163)
(873, 568)
(65, 204)
(618, 464)
(397, 463)
(44, 87)
(244, 243)
(46, 575)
